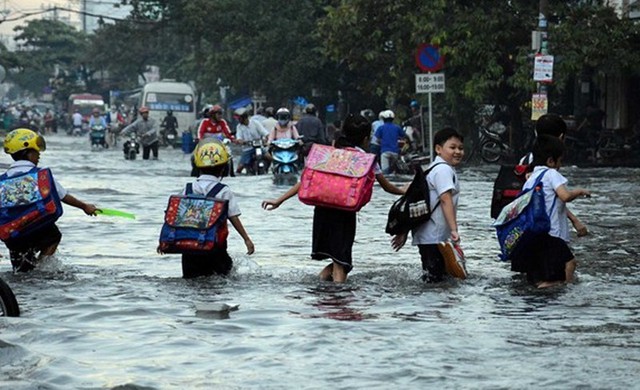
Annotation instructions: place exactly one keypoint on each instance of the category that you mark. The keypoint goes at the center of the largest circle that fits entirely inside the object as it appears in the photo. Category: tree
(44, 47)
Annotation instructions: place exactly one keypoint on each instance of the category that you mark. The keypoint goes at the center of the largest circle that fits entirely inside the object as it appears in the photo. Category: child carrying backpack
(196, 221)
(442, 225)
(540, 249)
(338, 182)
(30, 202)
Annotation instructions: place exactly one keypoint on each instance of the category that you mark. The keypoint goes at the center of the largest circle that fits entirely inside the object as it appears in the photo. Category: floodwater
(108, 312)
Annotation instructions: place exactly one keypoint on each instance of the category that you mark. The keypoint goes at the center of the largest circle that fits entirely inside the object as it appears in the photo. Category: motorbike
(169, 137)
(131, 148)
(98, 136)
(8, 303)
(259, 164)
(494, 148)
(285, 161)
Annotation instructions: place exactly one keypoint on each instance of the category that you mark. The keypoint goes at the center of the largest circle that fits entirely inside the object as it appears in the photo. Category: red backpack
(337, 178)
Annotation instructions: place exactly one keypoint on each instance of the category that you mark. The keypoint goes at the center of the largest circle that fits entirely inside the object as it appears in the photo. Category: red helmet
(215, 109)
(143, 109)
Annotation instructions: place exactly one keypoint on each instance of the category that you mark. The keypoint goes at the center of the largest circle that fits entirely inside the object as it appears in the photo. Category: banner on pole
(539, 105)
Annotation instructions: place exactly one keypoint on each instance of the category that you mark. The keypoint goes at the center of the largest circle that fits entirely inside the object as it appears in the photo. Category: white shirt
(253, 131)
(551, 180)
(77, 119)
(22, 166)
(441, 179)
(204, 184)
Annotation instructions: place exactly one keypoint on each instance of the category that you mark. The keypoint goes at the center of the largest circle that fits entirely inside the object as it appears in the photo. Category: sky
(15, 8)
(10, 9)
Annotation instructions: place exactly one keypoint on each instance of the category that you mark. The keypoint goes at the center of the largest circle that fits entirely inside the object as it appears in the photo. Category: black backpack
(413, 208)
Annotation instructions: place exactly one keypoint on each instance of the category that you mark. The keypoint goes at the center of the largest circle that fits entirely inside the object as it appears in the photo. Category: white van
(161, 96)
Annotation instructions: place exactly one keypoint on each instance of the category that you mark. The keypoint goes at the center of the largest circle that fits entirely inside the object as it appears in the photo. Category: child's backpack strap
(216, 188)
(189, 189)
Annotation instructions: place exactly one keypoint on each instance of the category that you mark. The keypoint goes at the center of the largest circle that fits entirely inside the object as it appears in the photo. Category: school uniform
(334, 232)
(218, 260)
(441, 179)
(23, 251)
(545, 258)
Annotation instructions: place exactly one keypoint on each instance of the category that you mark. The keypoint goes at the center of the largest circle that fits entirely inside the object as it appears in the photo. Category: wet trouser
(146, 149)
(432, 263)
(25, 250)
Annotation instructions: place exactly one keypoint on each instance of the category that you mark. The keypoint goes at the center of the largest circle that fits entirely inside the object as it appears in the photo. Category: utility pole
(84, 16)
(543, 64)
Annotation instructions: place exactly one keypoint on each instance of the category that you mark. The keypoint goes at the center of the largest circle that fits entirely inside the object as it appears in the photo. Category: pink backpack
(337, 178)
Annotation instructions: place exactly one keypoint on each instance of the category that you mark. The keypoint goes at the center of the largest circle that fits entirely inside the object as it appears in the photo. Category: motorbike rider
(311, 129)
(76, 119)
(97, 119)
(214, 124)
(270, 122)
(115, 121)
(169, 124)
(389, 135)
(284, 128)
(146, 129)
(248, 130)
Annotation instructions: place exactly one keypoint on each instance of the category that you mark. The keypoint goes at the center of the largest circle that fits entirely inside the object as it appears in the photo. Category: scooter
(259, 164)
(8, 303)
(98, 137)
(494, 148)
(131, 148)
(285, 161)
(169, 137)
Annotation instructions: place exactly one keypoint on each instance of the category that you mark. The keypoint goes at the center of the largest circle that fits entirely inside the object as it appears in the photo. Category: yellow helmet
(21, 139)
(210, 152)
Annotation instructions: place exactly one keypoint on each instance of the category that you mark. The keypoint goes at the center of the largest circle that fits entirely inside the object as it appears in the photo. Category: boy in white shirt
(444, 191)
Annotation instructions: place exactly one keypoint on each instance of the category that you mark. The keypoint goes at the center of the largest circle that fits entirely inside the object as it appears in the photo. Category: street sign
(543, 68)
(430, 83)
(428, 58)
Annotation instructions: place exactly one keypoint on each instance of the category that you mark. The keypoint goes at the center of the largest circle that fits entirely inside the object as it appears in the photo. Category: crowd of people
(546, 262)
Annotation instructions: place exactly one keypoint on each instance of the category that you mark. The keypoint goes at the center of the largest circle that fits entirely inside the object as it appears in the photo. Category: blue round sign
(428, 58)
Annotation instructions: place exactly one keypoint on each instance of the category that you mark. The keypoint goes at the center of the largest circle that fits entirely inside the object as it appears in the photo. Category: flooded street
(109, 311)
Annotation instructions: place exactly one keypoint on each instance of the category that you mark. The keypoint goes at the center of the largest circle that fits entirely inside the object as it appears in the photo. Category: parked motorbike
(131, 148)
(8, 303)
(494, 147)
(285, 161)
(98, 136)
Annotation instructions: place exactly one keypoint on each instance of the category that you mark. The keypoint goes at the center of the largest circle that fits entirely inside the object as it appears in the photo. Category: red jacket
(207, 126)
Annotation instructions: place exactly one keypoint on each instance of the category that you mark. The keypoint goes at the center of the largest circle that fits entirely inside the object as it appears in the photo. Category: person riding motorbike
(214, 124)
(76, 122)
(170, 126)
(284, 128)
(97, 119)
(248, 130)
(146, 129)
(311, 129)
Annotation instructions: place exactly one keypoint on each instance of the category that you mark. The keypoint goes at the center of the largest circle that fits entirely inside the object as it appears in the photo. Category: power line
(85, 13)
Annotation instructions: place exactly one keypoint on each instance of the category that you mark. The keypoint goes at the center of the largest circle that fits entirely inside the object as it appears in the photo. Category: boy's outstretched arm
(235, 221)
(449, 212)
(272, 204)
(388, 186)
(71, 200)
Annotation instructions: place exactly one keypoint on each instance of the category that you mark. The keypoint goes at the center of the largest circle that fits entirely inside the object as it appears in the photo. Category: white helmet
(387, 114)
(283, 116)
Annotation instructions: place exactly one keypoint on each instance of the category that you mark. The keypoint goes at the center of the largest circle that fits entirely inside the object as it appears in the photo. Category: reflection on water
(108, 311)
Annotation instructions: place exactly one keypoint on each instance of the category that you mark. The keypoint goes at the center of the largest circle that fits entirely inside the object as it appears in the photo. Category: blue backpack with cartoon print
(523, 219)
(195, 223)
(28, 203)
